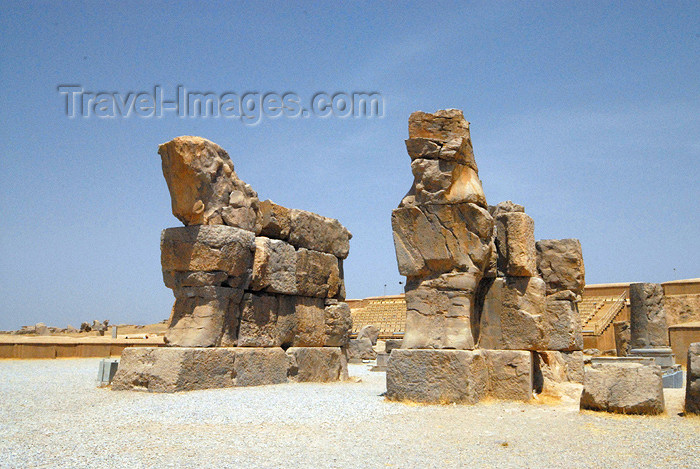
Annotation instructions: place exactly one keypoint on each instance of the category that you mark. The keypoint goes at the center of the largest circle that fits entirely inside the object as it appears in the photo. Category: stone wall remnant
(648, 326)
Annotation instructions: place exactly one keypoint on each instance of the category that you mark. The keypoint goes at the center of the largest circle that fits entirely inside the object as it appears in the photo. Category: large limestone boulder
(436, 239)
(457, 150)
(203, 316)
(338, 321)
(648, 326)
(509, 374)
(512, 315)
(275, 220)
(316, 364)
(444, 182)
(562, 322)
(204, 188)
(692, 385)
(436, 376)
(515, 238)
(439, 312)
(279, 268)
(172, 369)
(315, 232)
(560, 263)
(213, 249)
(269, 320)
(442, 125)
(623, 388)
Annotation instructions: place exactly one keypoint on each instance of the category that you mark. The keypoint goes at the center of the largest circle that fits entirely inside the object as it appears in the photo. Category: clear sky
(587, 113)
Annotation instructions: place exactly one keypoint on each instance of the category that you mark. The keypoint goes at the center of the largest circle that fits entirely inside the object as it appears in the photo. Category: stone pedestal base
(173, 369)
(663, 356)
(629, 388)
(433, 376)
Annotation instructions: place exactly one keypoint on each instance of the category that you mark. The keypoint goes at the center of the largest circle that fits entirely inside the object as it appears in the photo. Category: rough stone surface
(444, 182)
(315, 364)
(391, 344)
(505, 207)
(436, 376)
(370, 332)
(562, 323)
(361, 349)
(275, 220)
(260, 366)
(269, 320)
(515, 239)
(442, 125)
(511, 318)
(648, 326)
(623, 388)
(436, 239)
(279, 268)
(311, 231)
(205, 248)
(509, 374)
(172, 369)
(622, 338)
(560, 263)
(338, 321)
(203, 316)
(692, 385)
(551, 368)
(204, 187)
(457, 150)
(439, 312)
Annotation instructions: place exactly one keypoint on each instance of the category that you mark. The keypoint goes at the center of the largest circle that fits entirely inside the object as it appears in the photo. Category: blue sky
(587, 113)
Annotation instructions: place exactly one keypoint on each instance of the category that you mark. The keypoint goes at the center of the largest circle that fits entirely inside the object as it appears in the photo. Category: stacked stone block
(249, 274)
(477, 280)
(692, 384)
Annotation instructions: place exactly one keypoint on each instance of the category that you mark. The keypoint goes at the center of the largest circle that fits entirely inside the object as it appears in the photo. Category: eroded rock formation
(476, 279)
(246, 273)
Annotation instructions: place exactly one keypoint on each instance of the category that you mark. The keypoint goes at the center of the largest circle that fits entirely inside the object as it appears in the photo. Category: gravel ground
(52, 415)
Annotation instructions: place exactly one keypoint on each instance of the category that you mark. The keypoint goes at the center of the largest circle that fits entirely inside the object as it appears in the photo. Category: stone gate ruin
(490, 312)
(259, 289)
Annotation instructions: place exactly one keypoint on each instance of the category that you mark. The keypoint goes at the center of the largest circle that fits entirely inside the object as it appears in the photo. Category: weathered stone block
(560, 263)
(444, 182)
(562, 323)
(509, 374)
(315, 364)
(435, 239)
(511, 317)
(173, 279)
(436, 376)
(315, 232)
(623, 388)
(692, 384)
(203, 316)
(458, 150)
(439, 312)
(209, 249)
(338, 319)
(275, 220)
(515, 235)
(260, 366)
(443, 125)
(551, 368)
(203, 186)
(361, 349)
(269, 320)
(622, 338)
(172, 369)
(648, 326)
(317, 274)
